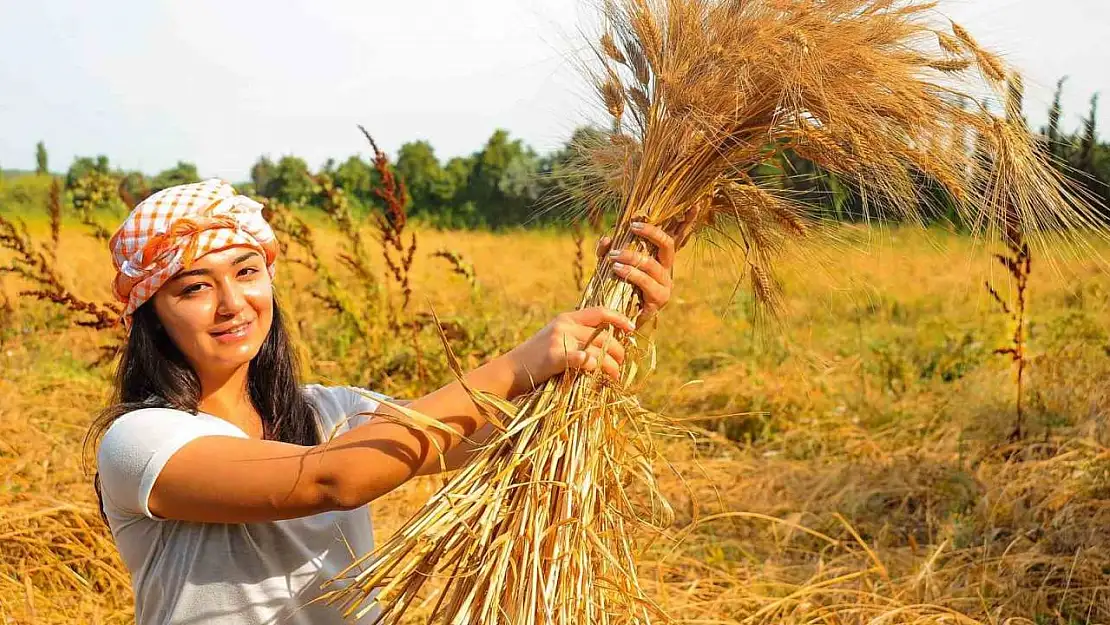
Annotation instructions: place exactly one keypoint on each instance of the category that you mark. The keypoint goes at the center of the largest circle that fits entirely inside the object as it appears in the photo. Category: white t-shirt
(227, 574)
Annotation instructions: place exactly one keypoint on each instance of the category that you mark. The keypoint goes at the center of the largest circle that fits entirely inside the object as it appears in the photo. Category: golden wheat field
(854, 466)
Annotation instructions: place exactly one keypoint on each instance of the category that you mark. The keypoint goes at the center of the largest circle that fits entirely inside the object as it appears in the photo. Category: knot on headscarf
(169, 230)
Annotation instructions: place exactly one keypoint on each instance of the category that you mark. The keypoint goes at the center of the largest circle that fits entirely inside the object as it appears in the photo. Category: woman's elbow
(334, 492)
(345, 492)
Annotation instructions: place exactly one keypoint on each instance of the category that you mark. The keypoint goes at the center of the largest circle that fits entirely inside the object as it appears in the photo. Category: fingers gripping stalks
(652, 275)
(585, 340)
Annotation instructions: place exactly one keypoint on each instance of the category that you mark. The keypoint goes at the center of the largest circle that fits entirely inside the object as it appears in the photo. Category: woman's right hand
(562, 345)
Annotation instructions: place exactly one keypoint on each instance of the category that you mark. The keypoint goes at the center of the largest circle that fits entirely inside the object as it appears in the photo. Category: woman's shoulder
(163, 419)
(343, 405)
(345, 396)
(150, 427)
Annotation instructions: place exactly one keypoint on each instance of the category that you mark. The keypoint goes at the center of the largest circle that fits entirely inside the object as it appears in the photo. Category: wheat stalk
(579, 238)
(539, 527)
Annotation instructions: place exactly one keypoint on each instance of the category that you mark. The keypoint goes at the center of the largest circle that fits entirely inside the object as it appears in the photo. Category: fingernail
(619, 267)
(637, 225)
(615, 253)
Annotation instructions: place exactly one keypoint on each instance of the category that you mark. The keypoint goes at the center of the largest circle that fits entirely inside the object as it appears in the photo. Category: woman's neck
(225, 395)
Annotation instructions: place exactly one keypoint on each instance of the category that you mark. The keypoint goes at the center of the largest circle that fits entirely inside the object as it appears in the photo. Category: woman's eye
(192, 288)
(248, 271)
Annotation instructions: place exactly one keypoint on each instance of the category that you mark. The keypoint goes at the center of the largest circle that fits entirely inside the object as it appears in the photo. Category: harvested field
(857, 466)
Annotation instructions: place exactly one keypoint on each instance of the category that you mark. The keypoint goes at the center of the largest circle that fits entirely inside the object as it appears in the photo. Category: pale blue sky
(219, 82)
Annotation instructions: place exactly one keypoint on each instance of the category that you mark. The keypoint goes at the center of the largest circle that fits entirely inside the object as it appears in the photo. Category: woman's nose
(232, 299)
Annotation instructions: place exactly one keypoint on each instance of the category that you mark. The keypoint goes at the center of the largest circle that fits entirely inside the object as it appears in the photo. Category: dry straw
(539, 527)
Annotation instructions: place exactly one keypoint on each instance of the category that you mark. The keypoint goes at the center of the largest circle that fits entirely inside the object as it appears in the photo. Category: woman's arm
(220, 479)
(460, 455)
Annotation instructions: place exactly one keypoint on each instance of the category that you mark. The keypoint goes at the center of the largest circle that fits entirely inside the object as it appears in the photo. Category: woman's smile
(235, 333)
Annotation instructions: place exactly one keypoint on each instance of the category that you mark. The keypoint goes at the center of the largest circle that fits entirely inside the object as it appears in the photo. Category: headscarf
(169, 230)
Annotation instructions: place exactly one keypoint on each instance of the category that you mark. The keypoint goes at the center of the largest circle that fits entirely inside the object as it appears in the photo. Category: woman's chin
(234, 356)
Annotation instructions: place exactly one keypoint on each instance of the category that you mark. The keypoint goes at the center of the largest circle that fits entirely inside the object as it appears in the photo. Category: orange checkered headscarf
(169, 230)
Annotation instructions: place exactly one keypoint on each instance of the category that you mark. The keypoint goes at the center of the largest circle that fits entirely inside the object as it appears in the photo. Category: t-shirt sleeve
(364, 403)
(344, 407)
(137, 446)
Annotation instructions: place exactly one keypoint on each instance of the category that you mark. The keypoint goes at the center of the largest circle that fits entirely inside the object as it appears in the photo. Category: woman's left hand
(652, 275)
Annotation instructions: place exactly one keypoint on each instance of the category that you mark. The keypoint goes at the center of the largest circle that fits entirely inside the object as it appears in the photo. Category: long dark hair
(153, 373)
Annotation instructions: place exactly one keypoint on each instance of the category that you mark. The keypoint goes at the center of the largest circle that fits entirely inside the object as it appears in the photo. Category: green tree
(503, 183)
(289, 180)
(1052, 130)
(83, 166)
(262, 176)
(457, 172)
(457, 211)
(292, 182)
(1080, 155)
(357, 179)
(1091, 159)
(425, 179)
(181, 173)
(41, 167)
(1088, 143)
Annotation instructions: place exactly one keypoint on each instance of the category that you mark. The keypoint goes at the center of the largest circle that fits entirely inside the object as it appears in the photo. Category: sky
(221, 82)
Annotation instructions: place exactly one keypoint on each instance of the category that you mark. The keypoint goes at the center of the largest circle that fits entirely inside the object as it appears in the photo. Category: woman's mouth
(237, 333)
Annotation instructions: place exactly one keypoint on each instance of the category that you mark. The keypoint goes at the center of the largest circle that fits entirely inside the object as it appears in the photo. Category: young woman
(232, 491)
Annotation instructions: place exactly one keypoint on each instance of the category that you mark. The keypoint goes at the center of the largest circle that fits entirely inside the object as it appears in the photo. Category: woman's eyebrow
(206, 272)
(245, 257)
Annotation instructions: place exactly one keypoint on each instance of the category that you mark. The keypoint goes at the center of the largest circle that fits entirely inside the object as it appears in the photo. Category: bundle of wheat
(538, 527)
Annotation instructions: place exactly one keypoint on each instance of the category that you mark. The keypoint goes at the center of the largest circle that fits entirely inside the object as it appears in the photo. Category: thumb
(597, 315)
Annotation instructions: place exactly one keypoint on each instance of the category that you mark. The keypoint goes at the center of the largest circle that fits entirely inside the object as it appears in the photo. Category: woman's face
(219, 311)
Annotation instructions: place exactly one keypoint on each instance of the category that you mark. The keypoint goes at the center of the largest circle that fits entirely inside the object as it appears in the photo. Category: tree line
(506, 183)
(503, 184)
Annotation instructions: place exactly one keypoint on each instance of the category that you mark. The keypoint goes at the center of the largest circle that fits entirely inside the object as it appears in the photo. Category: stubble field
(855, 466)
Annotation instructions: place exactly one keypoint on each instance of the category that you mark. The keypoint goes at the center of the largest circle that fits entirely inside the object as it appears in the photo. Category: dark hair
(153, 373)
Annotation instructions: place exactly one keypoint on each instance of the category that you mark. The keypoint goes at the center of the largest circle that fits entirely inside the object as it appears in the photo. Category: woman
(232, 491)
